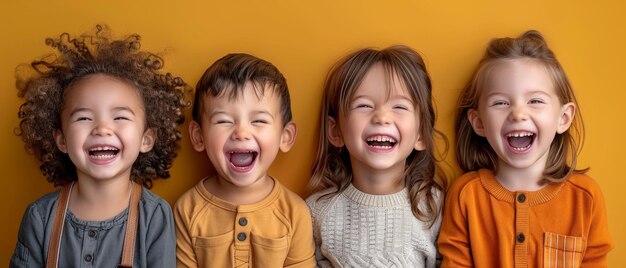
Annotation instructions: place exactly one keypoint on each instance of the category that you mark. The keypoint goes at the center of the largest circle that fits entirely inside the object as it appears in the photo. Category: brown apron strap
(57, 226)
(131, 227)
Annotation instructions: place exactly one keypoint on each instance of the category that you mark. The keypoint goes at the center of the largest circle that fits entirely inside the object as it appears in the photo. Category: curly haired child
(380, 188)
(522, 202)
(102, 120)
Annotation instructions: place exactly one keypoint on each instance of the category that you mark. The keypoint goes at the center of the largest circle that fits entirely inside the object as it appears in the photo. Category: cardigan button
(88, 258)
(92, 233)
(521, 238)
(241, 236)
(521, 198)
(243, 221)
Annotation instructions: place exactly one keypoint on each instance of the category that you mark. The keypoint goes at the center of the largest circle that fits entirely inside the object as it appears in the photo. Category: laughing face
(103, 127)
(242, 135)
(519, 112)
(381, 127)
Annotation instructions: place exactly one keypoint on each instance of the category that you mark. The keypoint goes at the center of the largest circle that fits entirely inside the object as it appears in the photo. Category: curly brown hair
(42, 86)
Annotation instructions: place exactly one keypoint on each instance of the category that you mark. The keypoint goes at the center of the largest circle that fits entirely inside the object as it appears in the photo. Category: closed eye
(401, 107)
(121, 118)
(363, 106)
(499, 103)
(537, 101)
(83, 118)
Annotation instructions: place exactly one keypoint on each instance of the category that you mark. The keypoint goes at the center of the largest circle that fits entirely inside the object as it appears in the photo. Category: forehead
(518, 76)
(102, 87)
(382, 82)
(250, 95)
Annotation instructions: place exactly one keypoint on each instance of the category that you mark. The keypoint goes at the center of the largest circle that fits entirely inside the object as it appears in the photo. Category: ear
(288, 137)
(419, 145)
(147, 142)
(568, 111)
(59, 138)
(334, 133)
(195, 134)
(476, 122)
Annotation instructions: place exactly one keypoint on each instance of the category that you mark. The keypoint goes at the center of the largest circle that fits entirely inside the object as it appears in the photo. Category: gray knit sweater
(356, 229)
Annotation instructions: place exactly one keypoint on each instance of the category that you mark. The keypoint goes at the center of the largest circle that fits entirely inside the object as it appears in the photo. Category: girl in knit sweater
(522, 203)
(379, 187)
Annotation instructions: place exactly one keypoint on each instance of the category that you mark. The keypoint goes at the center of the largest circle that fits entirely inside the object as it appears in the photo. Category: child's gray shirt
(97, 243)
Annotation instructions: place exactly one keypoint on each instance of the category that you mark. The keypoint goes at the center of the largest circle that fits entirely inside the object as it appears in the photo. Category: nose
(102, 129)
(241, 132)
(381, 117)
(518, 113)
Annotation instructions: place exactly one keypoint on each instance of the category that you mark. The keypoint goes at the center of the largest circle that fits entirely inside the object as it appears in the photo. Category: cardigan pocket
(269, 252)
(214, 251)
(562, 250)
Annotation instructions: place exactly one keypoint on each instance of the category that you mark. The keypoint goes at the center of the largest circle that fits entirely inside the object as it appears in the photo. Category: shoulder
(41, 210)
(44, 205)
(151, 199)
(321, 199)
(288, 199)
(584, 184)
(151, 202)
(466, 182)
(192, 198)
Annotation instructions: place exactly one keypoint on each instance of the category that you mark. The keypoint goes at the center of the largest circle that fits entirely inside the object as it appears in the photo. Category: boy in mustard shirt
(242, 217)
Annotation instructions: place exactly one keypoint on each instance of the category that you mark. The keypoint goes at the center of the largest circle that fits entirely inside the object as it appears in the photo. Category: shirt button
(243, 221)
(521, 238)
(241, 236)
(88, 258)
(92, 233)
(521, 198)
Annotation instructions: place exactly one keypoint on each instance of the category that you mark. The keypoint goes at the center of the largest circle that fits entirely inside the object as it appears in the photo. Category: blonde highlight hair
(332, 168)
(474, 151)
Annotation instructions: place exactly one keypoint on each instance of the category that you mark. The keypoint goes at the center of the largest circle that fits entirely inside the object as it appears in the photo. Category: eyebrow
(542, 92)
(116, 109)
(257, 112)
(391, 97)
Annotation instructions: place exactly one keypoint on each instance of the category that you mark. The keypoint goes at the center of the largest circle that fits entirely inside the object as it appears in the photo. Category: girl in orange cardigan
(522, 203)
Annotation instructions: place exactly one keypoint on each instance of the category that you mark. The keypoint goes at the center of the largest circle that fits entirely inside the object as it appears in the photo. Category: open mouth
(520, 141)
(242, 159)
(381, 142)
(103, 152)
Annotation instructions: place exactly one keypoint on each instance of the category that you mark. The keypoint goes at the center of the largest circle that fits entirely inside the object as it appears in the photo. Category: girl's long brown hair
(474, 152)
(332, 168)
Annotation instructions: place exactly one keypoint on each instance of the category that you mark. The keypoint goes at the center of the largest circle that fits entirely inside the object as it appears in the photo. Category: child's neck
(516, 179)
(378, 182)
(236, 195)
(94, 200)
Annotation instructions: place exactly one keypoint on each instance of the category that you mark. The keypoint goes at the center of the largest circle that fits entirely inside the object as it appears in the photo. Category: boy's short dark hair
(230, 74)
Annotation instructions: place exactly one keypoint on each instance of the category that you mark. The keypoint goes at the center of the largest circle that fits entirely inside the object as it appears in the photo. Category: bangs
(392, 75)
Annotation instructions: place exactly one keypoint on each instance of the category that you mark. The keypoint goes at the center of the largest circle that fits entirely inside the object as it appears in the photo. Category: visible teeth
(102, 157)
(381, 139)
(520, 134)
(103, 148)
(243, 152)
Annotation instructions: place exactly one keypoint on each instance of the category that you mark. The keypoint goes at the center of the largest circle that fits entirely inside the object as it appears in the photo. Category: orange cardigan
(486, 225)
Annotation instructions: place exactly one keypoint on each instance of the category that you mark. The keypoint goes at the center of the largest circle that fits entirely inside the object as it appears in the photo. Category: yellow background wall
(303, 38)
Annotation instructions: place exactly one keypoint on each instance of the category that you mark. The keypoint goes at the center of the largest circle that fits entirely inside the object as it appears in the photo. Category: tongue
(241, 159)
(520, 142)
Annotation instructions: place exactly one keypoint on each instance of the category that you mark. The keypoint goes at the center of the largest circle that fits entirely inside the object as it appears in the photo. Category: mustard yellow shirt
(274, 232)
(562, 225)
